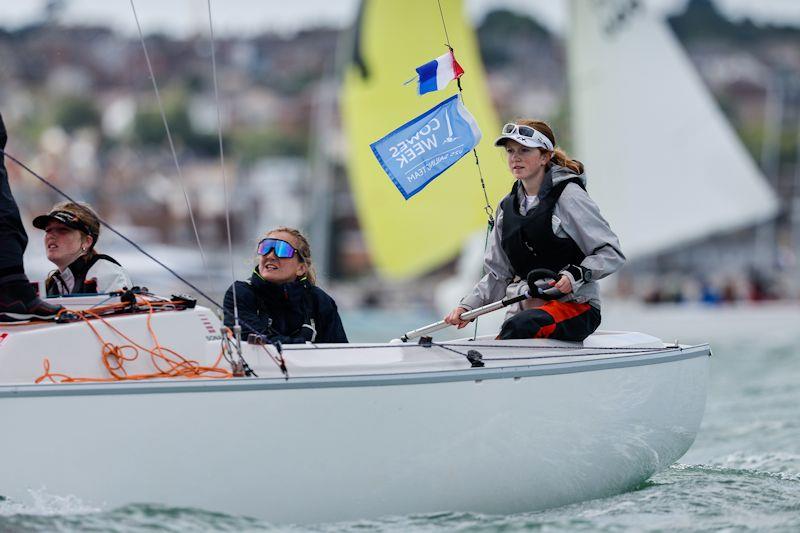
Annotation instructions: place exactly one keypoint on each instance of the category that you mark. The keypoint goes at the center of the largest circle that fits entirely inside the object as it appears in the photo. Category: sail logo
(423, 148)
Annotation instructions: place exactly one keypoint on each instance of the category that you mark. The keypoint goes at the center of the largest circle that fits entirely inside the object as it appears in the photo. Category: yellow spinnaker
(409, 238)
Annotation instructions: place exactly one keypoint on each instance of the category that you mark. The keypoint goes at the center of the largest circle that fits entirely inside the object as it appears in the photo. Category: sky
(181, 17)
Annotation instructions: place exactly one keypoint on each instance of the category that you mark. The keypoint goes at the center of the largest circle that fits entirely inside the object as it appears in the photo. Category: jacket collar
(289, 292)
(547, 185)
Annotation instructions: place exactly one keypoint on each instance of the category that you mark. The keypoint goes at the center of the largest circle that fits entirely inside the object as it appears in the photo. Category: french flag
(436, 74)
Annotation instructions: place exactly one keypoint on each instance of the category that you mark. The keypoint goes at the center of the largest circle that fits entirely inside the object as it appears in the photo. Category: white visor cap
(537, 139)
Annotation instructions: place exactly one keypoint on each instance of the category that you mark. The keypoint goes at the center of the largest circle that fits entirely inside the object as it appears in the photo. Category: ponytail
(560, 157)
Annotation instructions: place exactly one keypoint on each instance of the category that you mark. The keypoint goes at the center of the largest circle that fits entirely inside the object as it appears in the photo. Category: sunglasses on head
(518, 129)
(282, 249)
(539, 138)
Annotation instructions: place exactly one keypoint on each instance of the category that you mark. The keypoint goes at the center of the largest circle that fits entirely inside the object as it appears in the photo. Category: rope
(167, 362)
(279, 361)
(111, 229)
(171, 145)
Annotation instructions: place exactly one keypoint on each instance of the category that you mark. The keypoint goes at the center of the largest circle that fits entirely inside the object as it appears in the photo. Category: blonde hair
(560, 157)
(303, 248)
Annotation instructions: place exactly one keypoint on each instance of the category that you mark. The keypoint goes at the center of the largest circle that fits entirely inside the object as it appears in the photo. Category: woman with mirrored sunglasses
(547, 221)
(281, 300)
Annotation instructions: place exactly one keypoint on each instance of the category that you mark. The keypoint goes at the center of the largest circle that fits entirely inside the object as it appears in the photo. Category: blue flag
(421, 149)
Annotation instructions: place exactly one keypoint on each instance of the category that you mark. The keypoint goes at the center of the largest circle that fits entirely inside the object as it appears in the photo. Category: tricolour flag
(424, 147)
(436, 74)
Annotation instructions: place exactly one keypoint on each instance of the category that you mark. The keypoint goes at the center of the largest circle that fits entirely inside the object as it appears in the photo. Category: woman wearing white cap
(547, 221)
(70, 235)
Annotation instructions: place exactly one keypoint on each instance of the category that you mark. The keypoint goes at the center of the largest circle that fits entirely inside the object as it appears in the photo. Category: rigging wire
(171, 144)
(113, 230)
(487, 207)
(222, 166)
(444, 25)
(239, 367)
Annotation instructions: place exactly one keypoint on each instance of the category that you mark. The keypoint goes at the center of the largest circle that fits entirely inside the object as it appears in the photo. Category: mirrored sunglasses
(282, 249)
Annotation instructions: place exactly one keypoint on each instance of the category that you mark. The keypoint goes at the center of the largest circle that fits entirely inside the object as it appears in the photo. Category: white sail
(663, 163)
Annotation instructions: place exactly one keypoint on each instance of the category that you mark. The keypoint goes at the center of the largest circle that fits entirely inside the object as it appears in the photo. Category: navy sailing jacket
(284, 312)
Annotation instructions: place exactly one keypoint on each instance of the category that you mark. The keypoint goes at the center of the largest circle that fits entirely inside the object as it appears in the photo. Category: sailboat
(324, 433)
(138, 398)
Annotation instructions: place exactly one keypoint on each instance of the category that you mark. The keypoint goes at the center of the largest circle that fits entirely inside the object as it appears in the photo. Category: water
(743, 472)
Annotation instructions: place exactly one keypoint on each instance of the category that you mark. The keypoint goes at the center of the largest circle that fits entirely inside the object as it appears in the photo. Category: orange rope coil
(167, 362)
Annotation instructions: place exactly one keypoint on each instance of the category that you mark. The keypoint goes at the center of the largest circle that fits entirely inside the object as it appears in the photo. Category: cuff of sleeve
(466, 305)
(575, 275)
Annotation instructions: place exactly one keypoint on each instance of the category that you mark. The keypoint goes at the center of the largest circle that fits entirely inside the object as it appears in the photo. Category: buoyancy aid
(528, 240)
(79, 269)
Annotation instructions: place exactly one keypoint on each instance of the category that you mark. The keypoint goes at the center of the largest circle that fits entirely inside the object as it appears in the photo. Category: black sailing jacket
(281, 311)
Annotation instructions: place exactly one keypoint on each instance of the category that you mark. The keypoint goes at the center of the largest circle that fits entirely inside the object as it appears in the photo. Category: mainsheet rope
(171, 145)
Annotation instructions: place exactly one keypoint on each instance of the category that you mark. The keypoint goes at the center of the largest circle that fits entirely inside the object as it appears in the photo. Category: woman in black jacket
(281, 300)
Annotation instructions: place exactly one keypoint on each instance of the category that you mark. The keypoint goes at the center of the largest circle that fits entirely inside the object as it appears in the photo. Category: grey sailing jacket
(576, 216)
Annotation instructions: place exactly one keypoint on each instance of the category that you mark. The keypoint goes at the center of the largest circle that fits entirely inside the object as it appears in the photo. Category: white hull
(363, 431)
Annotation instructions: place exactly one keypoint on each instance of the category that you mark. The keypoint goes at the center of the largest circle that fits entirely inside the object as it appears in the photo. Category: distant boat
(355, 431)
(664, 164)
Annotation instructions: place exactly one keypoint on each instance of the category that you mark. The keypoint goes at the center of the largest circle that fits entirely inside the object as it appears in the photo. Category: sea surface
(741, 474)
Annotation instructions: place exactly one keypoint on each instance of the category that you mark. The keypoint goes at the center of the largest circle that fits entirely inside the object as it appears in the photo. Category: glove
(577, 275)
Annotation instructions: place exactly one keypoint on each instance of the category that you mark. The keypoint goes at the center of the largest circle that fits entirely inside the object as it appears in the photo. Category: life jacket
(528, 240)
(79, 268)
